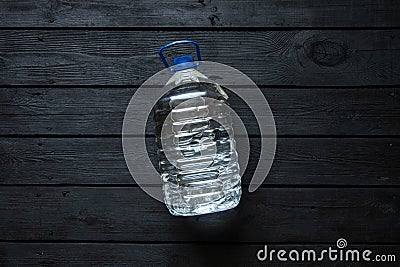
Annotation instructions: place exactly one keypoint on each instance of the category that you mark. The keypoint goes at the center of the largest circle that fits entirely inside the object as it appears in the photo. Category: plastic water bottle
(196, 149)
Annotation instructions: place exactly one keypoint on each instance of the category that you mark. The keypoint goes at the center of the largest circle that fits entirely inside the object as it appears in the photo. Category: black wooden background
(329, 69)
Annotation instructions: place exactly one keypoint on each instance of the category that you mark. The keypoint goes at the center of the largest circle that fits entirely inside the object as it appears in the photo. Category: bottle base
(229, 201)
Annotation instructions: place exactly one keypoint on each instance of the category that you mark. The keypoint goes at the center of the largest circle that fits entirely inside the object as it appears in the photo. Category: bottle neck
(186, 76)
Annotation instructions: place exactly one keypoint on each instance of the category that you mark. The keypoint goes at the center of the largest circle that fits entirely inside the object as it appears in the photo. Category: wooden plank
(39, 254)
(97, 111)
(292, 57)
(298, 161)
(203, 13)
(288, 215)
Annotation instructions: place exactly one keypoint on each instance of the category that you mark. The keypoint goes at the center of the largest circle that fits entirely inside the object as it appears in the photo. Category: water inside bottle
(206, 177)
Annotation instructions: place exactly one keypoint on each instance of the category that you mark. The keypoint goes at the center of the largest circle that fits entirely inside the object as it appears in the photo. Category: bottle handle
(160, 53)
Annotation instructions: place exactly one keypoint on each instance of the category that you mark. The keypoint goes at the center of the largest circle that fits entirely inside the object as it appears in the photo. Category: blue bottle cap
(183, 59)
(183, 62)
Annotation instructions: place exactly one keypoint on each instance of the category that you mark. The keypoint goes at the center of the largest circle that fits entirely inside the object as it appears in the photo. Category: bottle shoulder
(186, 91)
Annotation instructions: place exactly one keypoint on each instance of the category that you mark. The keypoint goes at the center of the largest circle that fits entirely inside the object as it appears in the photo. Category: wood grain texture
(329, 70)
(298, 161)
(128, 254)
(292, 57)
(203, 13)
(287, 215)
(97, 111)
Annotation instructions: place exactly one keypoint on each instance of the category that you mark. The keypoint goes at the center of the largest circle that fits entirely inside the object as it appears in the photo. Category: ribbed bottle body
(197, 156)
